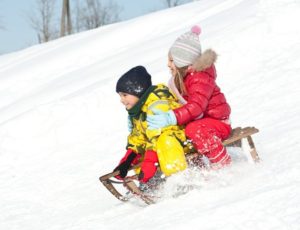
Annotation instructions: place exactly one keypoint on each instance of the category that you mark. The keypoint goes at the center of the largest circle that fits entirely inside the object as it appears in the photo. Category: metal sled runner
(235, 139)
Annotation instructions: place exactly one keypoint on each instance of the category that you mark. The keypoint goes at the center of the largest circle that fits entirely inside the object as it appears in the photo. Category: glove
(161, 119)
(130, 126)
(125, 164)
(149, 166)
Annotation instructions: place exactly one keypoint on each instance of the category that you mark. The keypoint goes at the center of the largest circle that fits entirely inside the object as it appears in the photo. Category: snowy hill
(62, 125)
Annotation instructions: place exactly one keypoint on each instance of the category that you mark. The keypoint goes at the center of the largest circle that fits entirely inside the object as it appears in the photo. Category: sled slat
(113, 190)
(239, 133)
(253, 152)
(235, 132)
(105, 180)
(132, 187)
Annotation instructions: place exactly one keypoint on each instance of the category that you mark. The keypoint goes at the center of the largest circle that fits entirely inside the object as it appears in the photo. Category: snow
(62, 125)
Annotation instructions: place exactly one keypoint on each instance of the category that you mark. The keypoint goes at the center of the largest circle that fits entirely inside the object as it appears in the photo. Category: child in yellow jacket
(163, 147)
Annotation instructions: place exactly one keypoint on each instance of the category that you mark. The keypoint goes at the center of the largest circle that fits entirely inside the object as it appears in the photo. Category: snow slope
(62, 125)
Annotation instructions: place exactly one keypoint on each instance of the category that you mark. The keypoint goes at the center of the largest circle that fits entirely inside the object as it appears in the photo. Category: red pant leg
(207, 135)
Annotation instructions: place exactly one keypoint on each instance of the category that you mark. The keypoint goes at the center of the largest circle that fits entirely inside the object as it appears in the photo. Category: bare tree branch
(94, 14)
(41, 20)
(172, 3)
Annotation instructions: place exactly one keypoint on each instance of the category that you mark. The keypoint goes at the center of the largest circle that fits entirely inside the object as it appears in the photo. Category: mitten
(148, 166)
(125, 164)
(130, 126)
(161, 119)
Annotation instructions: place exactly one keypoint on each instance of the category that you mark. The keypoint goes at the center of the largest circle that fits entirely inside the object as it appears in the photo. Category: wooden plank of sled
(105, 180)
(134, 189)
(236, 143)
(239, 133)
(253, 151)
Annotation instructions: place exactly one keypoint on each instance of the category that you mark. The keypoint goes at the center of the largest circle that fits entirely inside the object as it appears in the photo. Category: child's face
(128, 100)
(172, 66)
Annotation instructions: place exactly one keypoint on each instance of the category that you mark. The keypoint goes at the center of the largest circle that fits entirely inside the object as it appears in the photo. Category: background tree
(92, 14)
(42, 20)
(173, 3)
(66, 22)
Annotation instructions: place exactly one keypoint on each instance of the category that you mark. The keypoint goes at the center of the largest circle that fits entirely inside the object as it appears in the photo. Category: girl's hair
(178, 79)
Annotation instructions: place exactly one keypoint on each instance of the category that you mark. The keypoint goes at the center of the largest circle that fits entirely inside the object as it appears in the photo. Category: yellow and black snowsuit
(168, 142)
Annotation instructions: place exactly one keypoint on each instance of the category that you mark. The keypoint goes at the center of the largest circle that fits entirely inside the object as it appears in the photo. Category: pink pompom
(196, 30)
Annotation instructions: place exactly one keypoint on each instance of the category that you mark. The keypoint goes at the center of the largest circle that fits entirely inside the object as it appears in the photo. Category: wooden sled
(235, 139)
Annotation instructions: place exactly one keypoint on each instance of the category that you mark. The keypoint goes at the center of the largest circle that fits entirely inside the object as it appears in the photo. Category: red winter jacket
(204, 98)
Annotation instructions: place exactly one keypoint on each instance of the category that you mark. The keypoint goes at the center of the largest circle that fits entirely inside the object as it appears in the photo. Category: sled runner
(235, 139)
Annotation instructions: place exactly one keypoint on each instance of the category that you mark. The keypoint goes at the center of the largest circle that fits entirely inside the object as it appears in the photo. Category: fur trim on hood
(205, 60)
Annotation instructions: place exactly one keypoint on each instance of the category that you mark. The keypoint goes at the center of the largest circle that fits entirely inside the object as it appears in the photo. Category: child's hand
(149, 166)
(130, 126)
(161, 119)
(124, 166)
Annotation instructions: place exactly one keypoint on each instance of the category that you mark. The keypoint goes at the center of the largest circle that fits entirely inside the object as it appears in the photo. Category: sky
(62, 125)
(18, 33)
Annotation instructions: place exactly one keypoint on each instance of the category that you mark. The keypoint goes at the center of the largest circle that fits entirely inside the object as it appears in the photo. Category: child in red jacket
(204, 110)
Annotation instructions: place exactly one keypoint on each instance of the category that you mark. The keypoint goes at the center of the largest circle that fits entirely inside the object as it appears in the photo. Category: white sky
(62, 125)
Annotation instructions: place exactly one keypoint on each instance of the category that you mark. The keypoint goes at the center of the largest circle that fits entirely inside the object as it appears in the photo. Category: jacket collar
(205, 60)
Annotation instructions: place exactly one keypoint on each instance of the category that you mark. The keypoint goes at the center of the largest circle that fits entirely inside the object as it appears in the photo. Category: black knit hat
(135, 82)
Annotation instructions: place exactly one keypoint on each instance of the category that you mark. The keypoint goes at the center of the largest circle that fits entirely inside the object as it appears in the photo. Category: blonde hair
(179, 76)
(178, 79)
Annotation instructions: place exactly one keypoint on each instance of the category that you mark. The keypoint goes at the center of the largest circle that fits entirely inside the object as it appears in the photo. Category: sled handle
(113, 174)
(128, 183)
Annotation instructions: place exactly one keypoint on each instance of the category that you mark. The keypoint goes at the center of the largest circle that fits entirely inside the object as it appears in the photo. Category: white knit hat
(186, 48)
